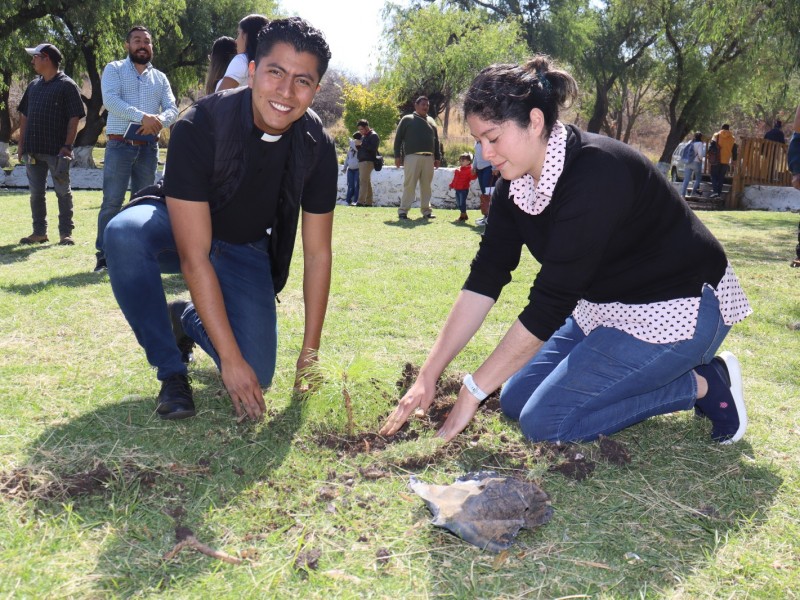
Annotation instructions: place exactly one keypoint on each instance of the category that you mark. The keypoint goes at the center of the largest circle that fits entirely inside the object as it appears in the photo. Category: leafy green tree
(706, 52)
(772, 89)
(92, 33)
(620, 33)
(376, 105)
(437, 50)
(535, 17)
(629, 98)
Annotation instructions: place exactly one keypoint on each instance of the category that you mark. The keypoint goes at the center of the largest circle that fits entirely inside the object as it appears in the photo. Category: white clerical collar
(269, 137)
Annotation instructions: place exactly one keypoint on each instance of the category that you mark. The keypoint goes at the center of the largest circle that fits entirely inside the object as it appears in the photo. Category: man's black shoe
(175, 398)
(184, 342)
(429, 216)
(101, 263)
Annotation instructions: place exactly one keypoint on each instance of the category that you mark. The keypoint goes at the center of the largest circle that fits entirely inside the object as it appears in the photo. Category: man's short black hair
(300, 35)
(137, 28)
(362, 123)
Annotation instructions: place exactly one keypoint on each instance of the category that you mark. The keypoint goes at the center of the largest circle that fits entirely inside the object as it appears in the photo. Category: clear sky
(352, 27)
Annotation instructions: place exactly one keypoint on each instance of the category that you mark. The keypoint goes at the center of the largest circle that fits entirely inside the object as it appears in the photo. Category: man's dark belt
(118, 138)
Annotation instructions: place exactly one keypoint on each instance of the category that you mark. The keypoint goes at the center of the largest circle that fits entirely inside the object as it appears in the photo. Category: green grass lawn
(93, 484)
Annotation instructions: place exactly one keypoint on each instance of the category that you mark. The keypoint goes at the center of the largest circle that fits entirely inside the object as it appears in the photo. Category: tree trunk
(600, 109)
(446, 122)
(95, 114)
(82, 157)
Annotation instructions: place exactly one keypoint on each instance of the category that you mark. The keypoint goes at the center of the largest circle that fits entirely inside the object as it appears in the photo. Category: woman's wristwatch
(474, 389)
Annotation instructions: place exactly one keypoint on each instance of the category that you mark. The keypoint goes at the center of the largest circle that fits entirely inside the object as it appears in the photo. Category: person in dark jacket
(633, 298)
(776, 133)
(242, 166)
(367, 153)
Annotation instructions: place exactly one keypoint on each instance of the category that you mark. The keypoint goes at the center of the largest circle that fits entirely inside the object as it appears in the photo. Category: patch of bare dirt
(614, 452)
(362, 443)
(24, 483)
(447, 389)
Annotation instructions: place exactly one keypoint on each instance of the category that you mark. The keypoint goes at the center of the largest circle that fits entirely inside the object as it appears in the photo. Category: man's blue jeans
(37, 184)
(140, 247)
(485, 178)
(125, 166)
(578, 387)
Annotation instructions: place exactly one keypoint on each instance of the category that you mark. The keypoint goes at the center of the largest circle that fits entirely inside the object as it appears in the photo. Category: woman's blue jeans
(139, 248)
(578, 387)
(696, 168)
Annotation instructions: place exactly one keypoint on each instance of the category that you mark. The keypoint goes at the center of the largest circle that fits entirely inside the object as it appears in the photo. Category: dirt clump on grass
(23, 483)
(308, 560)
(614, 452)
(574, 463)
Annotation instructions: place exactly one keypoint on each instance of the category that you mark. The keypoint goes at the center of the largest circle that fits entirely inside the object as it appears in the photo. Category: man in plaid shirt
(49, 114)
(133, 92)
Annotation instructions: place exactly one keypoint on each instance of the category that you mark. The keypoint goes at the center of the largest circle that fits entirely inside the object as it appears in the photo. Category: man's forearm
(23, 123)
(72, 131)
(316, 290)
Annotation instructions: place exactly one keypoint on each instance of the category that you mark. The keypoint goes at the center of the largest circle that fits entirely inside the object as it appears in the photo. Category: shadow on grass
(14, 252)
(123, 467)
(173, 283)
(408, 223)
(624, 530)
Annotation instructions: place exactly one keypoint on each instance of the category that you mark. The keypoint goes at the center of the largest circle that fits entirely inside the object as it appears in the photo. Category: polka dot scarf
(532, 196)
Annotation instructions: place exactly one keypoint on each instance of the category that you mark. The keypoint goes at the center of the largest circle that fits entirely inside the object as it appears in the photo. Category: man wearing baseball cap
(49, 111)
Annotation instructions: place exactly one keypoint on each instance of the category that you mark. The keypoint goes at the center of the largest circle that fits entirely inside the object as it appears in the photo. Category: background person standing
(696, 150)
(367, 152)
(49, 111)
(134, 91)
(725, 142)
(417, 150)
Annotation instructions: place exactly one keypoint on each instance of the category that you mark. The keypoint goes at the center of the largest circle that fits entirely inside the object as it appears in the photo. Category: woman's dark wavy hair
(251, 25)
(300, 35)
(223, 50)
(508, 92)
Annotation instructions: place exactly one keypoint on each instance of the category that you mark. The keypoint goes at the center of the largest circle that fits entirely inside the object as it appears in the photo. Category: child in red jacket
(461, 180)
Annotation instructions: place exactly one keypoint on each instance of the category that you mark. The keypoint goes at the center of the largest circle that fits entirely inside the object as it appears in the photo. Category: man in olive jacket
(417, 150)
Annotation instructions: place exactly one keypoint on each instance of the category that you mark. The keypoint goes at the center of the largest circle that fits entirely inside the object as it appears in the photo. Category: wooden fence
(760, 162)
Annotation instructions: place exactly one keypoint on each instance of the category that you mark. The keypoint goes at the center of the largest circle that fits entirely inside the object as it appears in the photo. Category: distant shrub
(376, 106)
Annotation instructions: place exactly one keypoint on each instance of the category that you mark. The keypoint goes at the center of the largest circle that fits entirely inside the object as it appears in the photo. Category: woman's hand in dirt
(463, 410)
(418, 399)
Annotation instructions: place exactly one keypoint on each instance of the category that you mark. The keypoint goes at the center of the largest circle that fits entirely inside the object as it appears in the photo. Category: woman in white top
(246, 42)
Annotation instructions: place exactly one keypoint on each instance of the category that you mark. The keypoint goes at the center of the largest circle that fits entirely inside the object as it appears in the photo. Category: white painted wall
(387, 187)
